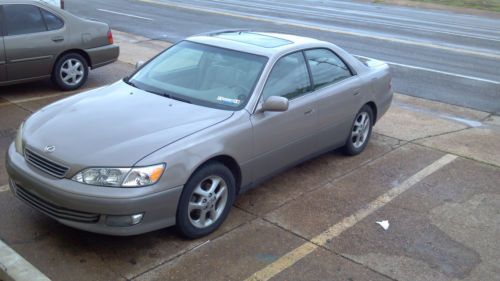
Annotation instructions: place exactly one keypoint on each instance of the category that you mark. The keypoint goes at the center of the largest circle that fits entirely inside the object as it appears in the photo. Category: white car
(56, 3)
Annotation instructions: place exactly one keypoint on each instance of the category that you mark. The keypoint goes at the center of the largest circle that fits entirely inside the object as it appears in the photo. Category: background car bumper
(46, 194)
(103, 55)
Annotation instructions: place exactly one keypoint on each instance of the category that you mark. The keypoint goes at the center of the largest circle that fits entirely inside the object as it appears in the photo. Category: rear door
(33, 38)
(3, 74)
(337, 89)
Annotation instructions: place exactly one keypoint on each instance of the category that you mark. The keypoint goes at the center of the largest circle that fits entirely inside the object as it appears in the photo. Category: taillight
(62, 4)
(110, 37)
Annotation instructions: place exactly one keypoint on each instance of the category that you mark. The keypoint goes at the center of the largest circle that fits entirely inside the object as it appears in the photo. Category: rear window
(23, 19)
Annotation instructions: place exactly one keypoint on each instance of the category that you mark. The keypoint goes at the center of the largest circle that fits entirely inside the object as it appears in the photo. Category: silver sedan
(205, 120)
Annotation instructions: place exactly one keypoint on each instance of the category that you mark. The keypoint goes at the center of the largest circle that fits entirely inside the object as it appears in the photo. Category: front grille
(53, 210)
(45, 164)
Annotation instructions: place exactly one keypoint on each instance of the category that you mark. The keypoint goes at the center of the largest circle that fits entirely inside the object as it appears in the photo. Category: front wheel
(205, 201)
(70, 72)
(361, 131)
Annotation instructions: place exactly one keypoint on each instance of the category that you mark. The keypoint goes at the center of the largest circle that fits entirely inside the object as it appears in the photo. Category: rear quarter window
(53, 22)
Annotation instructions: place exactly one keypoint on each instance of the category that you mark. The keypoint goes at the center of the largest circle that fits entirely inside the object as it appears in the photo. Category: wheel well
(232, 165)
(78, 51)
(374, 109)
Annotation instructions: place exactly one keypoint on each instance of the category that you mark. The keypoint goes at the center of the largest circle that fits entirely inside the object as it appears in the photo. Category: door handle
(309, 111)
(57, 38)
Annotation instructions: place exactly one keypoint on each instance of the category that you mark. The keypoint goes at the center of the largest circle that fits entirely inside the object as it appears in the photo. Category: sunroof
(256, 39)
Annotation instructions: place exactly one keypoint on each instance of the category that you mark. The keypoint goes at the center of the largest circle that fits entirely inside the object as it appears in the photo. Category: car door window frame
(349, 67)
(6, 32)
(310, 88)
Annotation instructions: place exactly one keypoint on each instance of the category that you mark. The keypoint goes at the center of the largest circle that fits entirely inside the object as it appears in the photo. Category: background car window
(326, 67)
(23, 19)
(289, 78)
(53, 22)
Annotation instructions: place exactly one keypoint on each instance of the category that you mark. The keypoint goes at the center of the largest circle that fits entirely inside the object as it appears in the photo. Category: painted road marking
(124, 14)
(4, 188)
(436, 71)
(30, 99)
(314, 27)
(297, 254)
(350, 17)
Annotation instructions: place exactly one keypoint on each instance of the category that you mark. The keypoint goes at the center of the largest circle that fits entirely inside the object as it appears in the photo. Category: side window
(22, 19)
(288, 78)
(53, 22)
(326, 67)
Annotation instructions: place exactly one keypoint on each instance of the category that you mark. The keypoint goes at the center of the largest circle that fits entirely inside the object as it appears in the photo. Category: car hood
(115, 125)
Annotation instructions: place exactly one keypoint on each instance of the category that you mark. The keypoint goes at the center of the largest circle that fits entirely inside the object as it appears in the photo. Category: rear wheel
(70, 72)
(205, 201)
(360, 132)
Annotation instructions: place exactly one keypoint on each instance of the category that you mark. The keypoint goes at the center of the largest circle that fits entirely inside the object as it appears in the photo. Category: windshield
(203, 75)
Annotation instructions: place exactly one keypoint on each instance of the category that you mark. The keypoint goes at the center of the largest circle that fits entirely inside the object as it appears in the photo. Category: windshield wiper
(167, 95)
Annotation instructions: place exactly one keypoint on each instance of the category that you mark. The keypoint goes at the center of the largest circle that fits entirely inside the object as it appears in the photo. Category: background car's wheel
(360, 132)
(70, 72)
(206, 200)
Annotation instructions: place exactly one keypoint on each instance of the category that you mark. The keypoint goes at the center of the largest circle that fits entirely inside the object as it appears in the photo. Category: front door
(283, 138)
(33, 38)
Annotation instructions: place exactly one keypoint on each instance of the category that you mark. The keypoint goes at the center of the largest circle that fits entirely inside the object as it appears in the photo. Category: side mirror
(139, 64)
(275, 103)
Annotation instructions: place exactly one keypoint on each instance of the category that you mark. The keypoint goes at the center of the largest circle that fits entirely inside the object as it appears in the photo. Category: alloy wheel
(207, 202)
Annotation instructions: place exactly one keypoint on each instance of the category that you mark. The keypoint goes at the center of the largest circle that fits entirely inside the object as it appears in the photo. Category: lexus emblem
(49, 149)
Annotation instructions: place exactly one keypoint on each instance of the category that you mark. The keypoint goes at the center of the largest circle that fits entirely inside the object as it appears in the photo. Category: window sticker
(228, 100)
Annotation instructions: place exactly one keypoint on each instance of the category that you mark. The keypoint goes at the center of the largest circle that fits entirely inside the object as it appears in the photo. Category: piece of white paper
(384, 224)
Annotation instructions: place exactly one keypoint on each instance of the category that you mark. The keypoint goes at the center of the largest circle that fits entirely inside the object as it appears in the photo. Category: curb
(13, 267)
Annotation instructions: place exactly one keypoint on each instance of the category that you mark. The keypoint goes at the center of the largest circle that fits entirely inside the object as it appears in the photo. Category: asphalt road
(437, 55)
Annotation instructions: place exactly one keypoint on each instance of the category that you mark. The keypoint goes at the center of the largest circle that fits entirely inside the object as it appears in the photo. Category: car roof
(4, 2)
(260, 43)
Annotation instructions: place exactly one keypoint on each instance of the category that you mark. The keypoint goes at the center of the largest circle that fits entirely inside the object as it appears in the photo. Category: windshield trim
(196, 101)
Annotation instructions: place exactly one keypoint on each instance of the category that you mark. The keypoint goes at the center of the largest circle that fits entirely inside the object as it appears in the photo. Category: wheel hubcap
(207, 201)
(360, 130)
(72, 72)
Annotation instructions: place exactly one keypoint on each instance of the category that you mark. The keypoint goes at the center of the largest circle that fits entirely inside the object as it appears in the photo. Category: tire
(70, 72)
(361, 131)
(206, 200)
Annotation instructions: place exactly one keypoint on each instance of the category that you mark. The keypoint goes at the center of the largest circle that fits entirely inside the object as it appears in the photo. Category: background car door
(3, 74)
(337, 91)
(33, 38)
(281, 138)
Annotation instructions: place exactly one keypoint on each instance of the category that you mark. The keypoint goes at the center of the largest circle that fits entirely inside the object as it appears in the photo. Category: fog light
(124, 220)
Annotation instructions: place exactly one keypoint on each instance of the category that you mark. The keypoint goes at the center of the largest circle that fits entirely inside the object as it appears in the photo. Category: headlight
(19, 139)
(117, 177)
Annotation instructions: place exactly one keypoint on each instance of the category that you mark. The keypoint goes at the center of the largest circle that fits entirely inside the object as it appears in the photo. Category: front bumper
(89, 212)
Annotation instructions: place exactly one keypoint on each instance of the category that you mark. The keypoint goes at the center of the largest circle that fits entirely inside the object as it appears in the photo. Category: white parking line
(436, 71)
(4, 188)
(300, 252)
(124, 14)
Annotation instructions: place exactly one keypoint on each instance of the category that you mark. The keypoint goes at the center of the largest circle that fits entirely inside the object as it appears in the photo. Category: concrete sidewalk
(444, 228)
